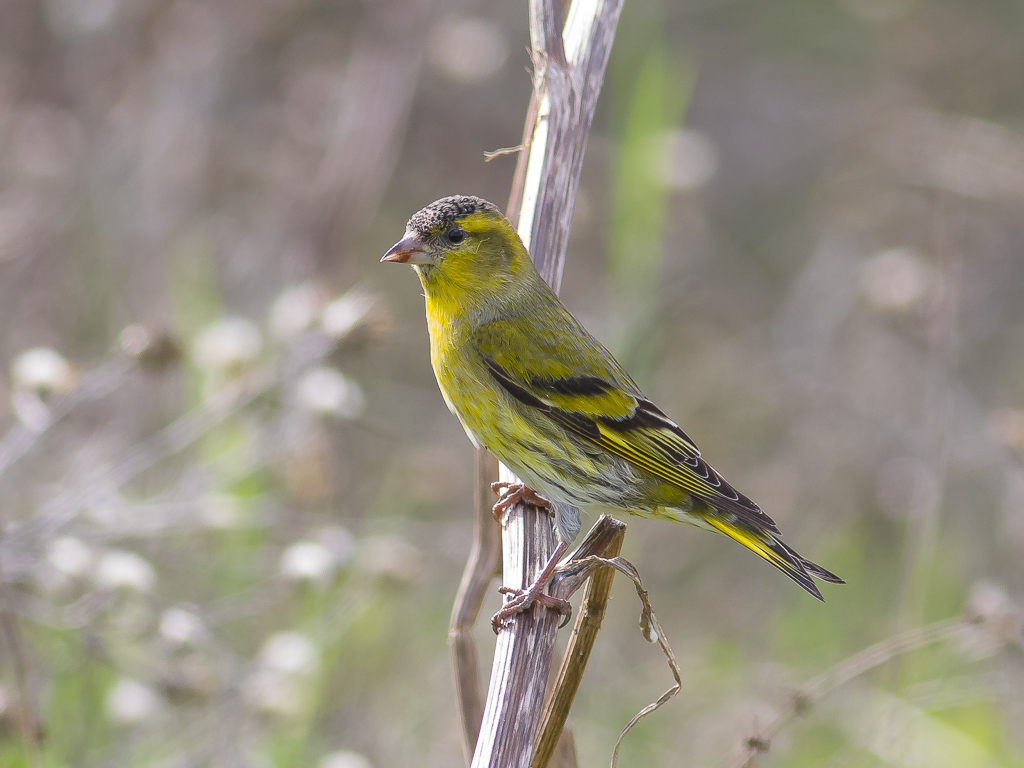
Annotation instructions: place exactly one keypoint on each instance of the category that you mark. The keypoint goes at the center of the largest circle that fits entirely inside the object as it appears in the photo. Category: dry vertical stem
(568, 80)
(570, 66)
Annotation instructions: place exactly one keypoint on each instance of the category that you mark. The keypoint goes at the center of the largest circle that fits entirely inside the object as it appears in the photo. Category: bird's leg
(511, 493)
(524, 598)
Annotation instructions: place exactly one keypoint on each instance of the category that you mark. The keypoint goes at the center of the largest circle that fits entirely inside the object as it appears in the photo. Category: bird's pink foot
(522, 599)
(512, 493)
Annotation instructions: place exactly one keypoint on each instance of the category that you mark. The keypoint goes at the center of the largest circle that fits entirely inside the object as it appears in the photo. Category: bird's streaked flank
(532, 386)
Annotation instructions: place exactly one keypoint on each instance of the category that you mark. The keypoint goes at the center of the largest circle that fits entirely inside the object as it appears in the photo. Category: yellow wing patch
(678, 475)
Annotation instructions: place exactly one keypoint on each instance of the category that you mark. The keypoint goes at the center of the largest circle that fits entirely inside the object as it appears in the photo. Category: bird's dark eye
(456, 235)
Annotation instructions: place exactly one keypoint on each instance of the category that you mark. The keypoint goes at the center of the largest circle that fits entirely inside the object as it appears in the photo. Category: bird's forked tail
(776, 552)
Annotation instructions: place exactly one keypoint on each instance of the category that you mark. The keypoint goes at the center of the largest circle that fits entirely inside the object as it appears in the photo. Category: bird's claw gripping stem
(512, 493)
(522, 599)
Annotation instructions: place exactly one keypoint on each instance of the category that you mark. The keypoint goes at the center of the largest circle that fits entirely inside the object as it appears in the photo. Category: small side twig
(495, 153)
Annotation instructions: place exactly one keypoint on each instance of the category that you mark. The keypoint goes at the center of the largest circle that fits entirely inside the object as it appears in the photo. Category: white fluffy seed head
(289, 653)
(118, 569)
(180, 626)
(327, 391)
(274, 693)
(347, 314)
(130, 702)
(989, 602)
(43, 371)
(345, 759)
(228, 346)
(296, 311)
(70, 556)
(896, 279)
(308, 561)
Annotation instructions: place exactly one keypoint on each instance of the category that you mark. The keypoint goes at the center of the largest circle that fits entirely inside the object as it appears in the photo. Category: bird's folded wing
(584, 390)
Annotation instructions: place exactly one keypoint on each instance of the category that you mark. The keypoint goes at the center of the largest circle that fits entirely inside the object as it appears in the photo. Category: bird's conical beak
(409, 250)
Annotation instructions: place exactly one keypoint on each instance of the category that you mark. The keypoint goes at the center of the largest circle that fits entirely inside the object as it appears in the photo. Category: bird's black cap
(441, 214)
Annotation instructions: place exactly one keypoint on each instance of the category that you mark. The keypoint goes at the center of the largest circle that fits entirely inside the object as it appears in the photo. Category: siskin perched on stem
(532, 386)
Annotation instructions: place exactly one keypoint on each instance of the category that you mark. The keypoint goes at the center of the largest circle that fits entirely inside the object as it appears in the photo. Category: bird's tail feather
(776, 552)
(816, 570)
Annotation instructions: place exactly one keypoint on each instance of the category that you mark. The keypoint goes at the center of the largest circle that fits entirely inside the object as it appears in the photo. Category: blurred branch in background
(842, 673)
(482, 567)
(42, 380)
(57, 566)
(243, 383)
(27, 691)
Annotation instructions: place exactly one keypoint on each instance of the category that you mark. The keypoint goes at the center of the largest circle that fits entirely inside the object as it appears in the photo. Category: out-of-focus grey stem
(481, 568)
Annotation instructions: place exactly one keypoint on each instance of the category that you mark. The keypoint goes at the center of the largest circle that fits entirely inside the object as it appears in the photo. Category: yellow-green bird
(532, 386)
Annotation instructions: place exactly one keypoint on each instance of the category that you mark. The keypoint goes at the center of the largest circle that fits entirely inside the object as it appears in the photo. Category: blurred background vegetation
(234, 508)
